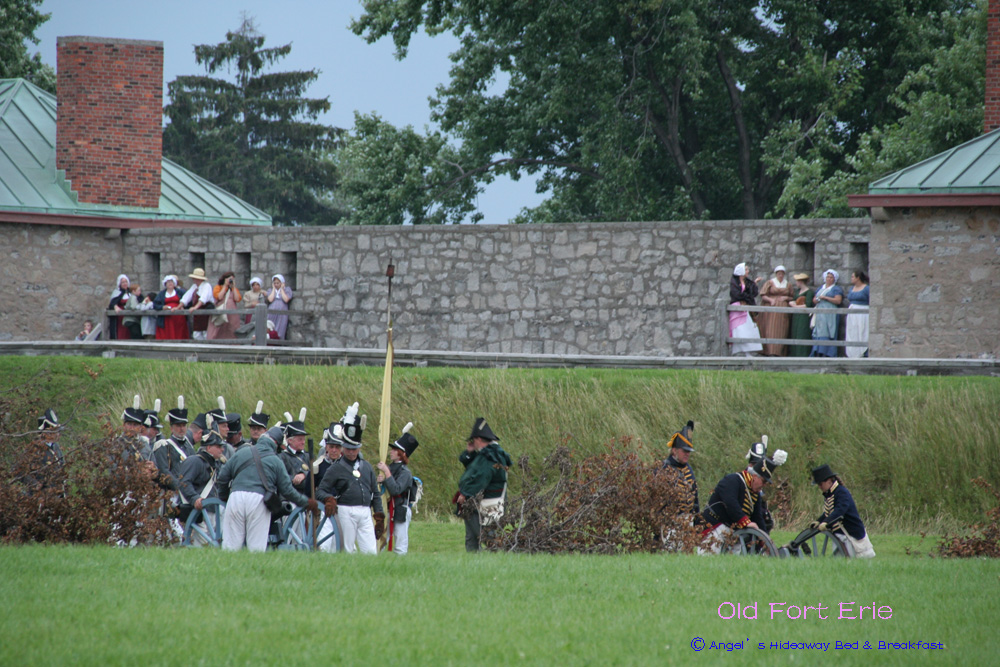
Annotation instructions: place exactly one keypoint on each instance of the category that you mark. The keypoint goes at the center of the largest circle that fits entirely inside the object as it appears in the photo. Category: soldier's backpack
(416, 493)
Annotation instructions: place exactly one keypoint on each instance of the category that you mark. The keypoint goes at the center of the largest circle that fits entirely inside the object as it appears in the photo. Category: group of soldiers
(263, 477)
(738, 500)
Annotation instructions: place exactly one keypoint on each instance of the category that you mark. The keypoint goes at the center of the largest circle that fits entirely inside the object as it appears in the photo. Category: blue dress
(825, 327)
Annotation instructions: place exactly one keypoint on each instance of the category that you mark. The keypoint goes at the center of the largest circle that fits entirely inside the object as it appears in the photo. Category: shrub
(983, 539)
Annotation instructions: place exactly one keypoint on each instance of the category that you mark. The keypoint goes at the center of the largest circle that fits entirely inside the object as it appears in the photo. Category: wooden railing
(723, 307)
(259, 320)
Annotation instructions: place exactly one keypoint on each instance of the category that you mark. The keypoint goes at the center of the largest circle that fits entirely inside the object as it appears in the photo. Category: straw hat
(198, 274)
(801, 276)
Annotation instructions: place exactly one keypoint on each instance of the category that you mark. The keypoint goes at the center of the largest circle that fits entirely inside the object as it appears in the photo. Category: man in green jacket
(485, 471)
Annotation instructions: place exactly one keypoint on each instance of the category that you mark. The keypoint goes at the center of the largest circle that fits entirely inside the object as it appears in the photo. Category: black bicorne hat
(235, 421)
(822, 473)
(480, 429)
(178, 415)
(682, 438)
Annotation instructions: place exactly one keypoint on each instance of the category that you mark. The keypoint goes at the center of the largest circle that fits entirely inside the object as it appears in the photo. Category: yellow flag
(383, 423)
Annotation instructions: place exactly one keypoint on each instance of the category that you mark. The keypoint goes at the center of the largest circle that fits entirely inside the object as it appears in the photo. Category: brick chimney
(109, 127)
(991, 120)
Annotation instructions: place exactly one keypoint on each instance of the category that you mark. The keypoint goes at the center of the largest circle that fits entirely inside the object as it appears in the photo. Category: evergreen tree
(255, 135)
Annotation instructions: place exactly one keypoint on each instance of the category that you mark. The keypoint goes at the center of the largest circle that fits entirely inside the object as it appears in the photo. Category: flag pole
(386, 409)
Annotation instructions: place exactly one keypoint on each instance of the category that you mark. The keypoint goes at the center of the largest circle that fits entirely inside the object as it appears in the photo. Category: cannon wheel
(338, 540)
(819, 544)
(297, 532)
(211, 532)
(753, 542)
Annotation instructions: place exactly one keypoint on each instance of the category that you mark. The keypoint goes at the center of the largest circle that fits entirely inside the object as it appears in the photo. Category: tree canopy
(255, 134)
(672, 109)
(19, 19)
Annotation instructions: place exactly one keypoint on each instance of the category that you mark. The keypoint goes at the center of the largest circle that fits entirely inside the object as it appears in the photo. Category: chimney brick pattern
(109, 136)
(991, 121)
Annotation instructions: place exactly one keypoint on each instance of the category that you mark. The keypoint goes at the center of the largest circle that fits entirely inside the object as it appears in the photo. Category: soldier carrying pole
(383, 424)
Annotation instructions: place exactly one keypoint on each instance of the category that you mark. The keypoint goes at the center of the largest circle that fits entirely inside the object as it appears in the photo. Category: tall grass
(907, 447)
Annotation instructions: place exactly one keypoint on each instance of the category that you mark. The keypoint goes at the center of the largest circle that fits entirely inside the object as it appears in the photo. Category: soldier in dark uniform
(398, 481)
(486, 472)
(151, 426)
(48, 433)
(680, 453)
(46, 457)
(169, 453)
(196, 430)
(234, 441)
(197, 473)
(221, 420)
(331, 451)
(757, 453)
(840, 514)
(258, 422)
(294, 457)
(350, 489)
(735, 504)
(132, 441)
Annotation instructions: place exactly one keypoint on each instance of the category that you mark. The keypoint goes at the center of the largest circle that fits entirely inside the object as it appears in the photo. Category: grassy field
(906, 446)
(438, 605)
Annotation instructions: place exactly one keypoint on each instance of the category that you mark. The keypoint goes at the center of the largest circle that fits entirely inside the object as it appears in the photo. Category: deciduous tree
(19, 19)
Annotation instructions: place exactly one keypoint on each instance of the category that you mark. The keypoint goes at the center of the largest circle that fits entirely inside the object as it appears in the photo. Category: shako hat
(822, 473)
(682, 438)
(178, 415)
(152, 419)
(48, 420)
(277, 433)
(406, 442)
(134, 414)
(351, 428)
(480, 429)
(296, 426)
(765, 468)
(213, 439)
(235, 421)
(258, 418)
(201, 421)
(219, 413)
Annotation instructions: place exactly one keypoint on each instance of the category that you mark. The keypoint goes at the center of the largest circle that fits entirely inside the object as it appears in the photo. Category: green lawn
(438, 605)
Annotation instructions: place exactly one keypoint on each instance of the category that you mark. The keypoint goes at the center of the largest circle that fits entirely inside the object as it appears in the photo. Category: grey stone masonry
(938, 274)
(592, 288)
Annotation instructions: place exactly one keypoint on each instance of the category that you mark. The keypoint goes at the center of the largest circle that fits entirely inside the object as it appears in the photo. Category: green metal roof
(30, 182)
(972, 168)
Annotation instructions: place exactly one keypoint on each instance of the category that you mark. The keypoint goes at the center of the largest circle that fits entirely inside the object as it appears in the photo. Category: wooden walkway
(194, 352)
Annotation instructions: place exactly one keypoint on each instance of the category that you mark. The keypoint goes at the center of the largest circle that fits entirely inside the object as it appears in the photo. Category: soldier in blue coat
(398, 481)
(840, 514)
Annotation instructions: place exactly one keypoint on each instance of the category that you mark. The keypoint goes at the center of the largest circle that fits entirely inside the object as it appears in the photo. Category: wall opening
(149, 272)
(241, 270)
(289, 269)
(196, 260)
(858, 258)
(805, 259)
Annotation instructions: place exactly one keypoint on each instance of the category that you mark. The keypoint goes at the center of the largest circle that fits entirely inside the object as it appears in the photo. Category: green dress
(800, 326)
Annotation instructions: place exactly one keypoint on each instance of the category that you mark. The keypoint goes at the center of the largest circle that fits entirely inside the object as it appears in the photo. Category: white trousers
(712, 544)
(862, 548)
(245, 522)
(401, 534)
(325, 529)
(356, 526)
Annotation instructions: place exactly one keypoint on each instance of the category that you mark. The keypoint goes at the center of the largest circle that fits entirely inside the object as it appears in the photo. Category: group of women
(127, 298)
(820, 327)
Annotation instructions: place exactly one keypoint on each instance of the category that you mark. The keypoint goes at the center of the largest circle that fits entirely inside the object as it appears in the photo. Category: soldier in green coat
(485, 471)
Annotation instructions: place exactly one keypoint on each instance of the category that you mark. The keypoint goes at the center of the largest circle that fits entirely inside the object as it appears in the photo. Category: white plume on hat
(222, 404)
(156, 405)
(364, 422)
(302, 414)
(780, 456)
(406, 429)
(180, 402)
(351, 414)
(136, 402)
(288, 416)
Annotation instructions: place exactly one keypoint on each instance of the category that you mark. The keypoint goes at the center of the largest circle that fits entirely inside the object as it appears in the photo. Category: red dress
(121, 331)
(175, 327)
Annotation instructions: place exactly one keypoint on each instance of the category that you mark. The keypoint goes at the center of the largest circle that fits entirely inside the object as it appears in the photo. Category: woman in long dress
(253, 296)
(828, 296)
(227, 297)
(743, 292)
(800, 328)
(775, 292)
(277, 300)
(857, 324)
(119, 302)
(170, 327)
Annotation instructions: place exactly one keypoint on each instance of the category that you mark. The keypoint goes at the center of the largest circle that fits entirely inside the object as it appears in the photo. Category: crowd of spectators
(193, 306)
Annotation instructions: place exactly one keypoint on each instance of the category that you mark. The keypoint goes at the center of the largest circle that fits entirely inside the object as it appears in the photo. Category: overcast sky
(355, 76)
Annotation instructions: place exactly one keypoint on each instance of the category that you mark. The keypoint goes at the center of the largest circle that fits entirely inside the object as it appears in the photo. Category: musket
(312, 489)
(386, 408)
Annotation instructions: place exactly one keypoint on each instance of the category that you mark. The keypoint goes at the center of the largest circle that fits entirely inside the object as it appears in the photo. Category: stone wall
(54, 278)
(615, 288)
(937, 273)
